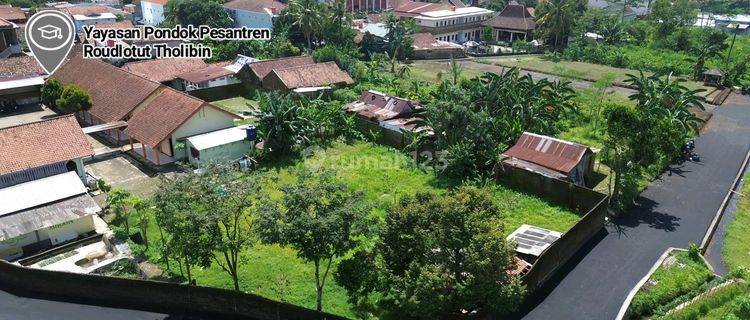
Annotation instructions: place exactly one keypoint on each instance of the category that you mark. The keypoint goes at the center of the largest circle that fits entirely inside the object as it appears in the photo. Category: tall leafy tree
(196, 12)
(51, 91)
(73, 99)
(555, 19)
(189, 235)
(398, 44)
(316, 216)
(307, 16)
(437, 257)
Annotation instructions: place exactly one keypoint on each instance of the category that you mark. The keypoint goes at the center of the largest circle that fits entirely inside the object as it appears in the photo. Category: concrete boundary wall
(153, 296)
(592, 206)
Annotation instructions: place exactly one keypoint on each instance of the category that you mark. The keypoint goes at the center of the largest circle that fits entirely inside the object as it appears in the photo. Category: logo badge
(50, 35)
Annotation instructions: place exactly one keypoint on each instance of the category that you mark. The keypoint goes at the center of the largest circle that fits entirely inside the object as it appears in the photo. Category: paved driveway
(27, 114)
(13, 307)
(673, 212)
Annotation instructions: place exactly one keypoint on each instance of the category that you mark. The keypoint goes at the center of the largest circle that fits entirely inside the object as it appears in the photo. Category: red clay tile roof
(515, 17)
(41, 143)
(86, 10)
(160, 117)
(558, 155)
(414, 8)
(427, 41)
(162, 70)
(12, 13)
(5, 23)
(124, 24)
(115, 92)
(255, 5)
(161, 2)
(210, 72)
(315, 75)
(262, 68)
(20, 66)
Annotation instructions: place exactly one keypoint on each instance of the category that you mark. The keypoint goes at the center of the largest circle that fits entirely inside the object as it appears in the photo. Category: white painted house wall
(206, 120)
(153, 13)
(65, 231)
(81, 20)
(251, 19)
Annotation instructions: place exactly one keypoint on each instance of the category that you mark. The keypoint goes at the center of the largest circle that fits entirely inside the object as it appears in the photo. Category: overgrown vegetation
(681, 274)
(671, 46)
(736, 248)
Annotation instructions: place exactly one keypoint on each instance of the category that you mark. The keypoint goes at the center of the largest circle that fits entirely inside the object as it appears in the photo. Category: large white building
(152, 11)
(455, 25)
(254, 13)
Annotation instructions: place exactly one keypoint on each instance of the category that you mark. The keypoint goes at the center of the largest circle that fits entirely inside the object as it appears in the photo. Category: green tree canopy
(437, 257)
(196, 12)
(316, 216)
(73, 99)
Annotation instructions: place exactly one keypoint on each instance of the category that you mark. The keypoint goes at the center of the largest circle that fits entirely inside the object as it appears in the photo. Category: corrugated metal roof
(40, 192)
(558, 155)
(14, 225)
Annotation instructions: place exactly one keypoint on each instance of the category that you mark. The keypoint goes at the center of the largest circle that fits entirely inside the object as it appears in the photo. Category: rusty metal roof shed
(555, 154)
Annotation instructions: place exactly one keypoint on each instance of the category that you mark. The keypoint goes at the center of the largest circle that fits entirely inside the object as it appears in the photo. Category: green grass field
(384, 175)
(237, 104)
(571, 69)
(736, 251)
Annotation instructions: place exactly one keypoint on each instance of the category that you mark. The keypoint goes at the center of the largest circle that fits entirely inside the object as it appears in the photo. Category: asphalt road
(673, 211)
(13, 307)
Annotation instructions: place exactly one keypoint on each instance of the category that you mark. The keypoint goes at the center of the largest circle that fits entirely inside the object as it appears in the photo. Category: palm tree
(555, 18)
(455, 69)
(308, 16)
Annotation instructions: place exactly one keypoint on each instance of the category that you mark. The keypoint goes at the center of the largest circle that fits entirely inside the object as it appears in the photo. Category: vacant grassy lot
(736, 251)
(572, 69)
(237, 104)
(678, 275)
(384, 175)
(431, 71)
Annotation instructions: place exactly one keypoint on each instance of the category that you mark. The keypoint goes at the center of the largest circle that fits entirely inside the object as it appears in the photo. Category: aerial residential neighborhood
(374, 159)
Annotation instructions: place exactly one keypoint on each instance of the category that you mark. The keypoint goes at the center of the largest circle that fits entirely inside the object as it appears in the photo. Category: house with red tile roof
(164, 123)
(260, 69)
(21, 79)
(115, 92)
(165, 71)
(551, 157)
(157, 116)
(42, 148)
(254, 13)
(307, 79)
(43, 200)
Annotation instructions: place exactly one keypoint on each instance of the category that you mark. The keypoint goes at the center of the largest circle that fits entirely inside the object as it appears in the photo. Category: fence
(591, 205)
(153, 296)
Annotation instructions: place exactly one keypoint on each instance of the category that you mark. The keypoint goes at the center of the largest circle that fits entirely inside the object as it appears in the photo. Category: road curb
(720, 212)
(631, 294)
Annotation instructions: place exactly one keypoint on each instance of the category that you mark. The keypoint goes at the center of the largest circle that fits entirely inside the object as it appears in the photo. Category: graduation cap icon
(50, 32)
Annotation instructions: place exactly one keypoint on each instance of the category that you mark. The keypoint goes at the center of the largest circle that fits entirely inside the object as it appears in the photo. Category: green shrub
(670, 282)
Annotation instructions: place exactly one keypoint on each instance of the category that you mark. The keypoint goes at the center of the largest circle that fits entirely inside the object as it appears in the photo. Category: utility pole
(731, 46)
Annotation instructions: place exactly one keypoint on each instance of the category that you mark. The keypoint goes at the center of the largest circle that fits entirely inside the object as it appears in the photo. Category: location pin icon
(50, 35)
